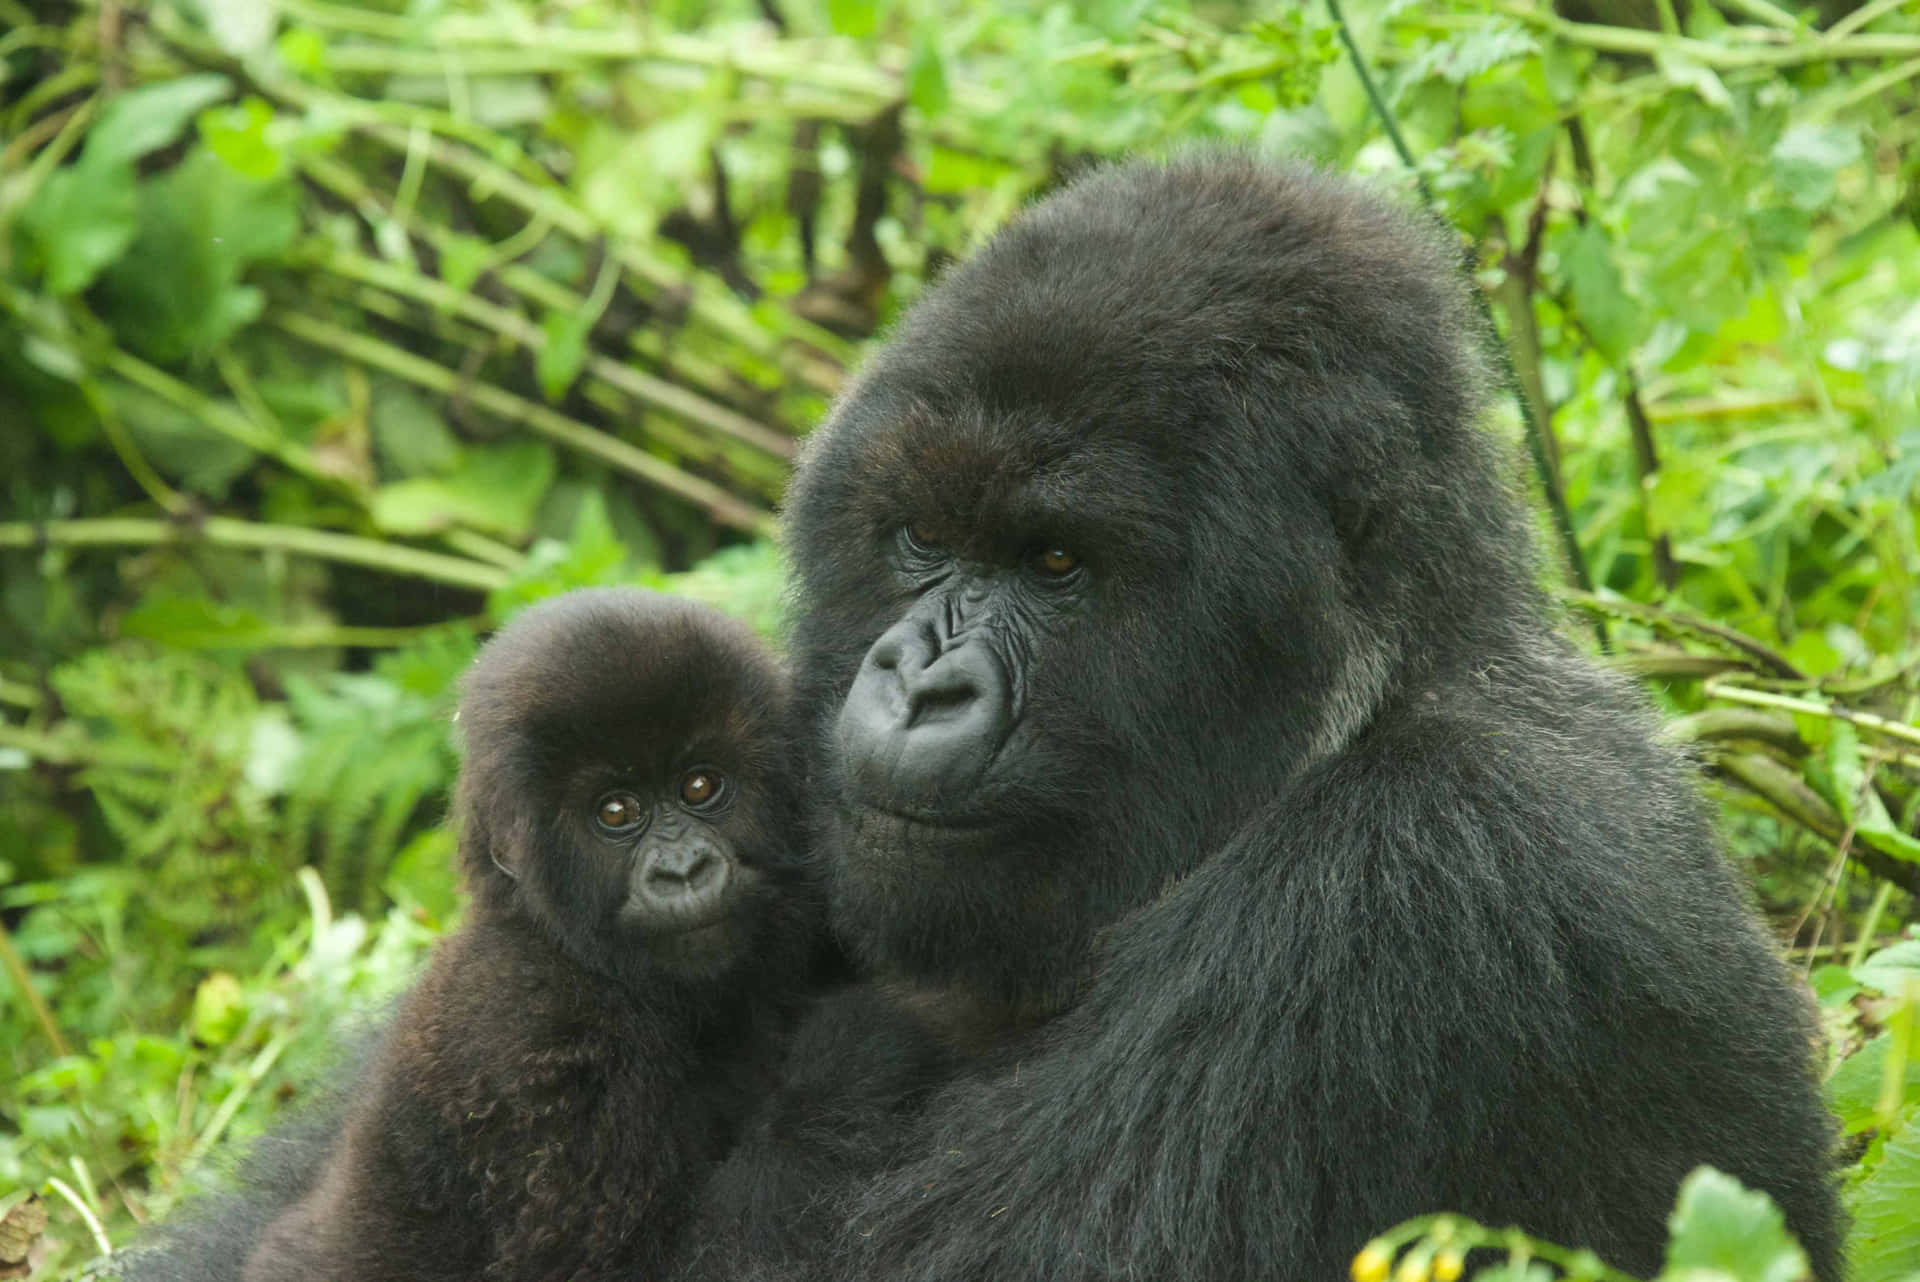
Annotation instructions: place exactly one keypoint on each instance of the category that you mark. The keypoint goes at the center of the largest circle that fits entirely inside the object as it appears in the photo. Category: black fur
(1319, 881)
(551, 1095)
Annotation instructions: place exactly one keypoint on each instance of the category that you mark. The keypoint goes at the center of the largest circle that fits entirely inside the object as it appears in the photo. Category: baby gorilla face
(630, 786)
(688, 893)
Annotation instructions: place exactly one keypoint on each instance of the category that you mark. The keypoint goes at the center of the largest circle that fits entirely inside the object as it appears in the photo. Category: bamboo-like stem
(1860, 17)
(224, 531)
(1716, 688)
(728, 316)
(1770, 14)
(643, 387)
(344, 184)
(1647, 44)
(555, 426)
(1787, 794)
(1676, 622)
(16, 967)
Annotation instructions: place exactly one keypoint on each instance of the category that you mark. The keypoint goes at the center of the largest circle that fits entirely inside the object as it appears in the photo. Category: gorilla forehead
(1215, 334)
(1139, 290)
(619, 674)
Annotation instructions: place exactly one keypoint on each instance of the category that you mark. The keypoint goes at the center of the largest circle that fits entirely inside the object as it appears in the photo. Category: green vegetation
(333, 333)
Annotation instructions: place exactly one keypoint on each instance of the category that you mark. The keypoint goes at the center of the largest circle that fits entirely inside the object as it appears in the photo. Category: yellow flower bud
(1372, 1263)
(1448, 1265)
(1415, 1266)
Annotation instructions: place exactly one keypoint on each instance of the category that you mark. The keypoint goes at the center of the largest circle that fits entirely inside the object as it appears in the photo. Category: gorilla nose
(921, 723)
(683, 879)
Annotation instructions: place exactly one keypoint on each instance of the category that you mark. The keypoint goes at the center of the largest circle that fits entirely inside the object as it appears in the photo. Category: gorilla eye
(702, 788)
(1055, 562)
(917, 538)
(618, 813)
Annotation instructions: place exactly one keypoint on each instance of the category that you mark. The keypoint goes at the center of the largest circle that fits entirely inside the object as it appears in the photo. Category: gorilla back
(1193, 727)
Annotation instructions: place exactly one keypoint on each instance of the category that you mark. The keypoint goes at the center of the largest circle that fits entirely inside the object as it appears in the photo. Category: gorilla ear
(493, 837)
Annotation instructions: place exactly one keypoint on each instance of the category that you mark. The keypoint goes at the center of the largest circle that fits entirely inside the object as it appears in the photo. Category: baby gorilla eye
(702, 788)
(618, 813)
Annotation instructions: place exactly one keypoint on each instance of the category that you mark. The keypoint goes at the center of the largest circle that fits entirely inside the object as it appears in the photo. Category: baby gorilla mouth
(681, 887)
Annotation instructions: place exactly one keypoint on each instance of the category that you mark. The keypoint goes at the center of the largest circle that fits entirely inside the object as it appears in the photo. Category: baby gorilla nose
(678, 872)
(682, 883)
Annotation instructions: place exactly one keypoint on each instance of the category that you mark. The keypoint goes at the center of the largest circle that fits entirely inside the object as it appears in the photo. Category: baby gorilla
(553, 1092)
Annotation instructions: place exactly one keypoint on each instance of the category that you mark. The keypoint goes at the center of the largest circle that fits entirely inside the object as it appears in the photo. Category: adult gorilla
(1208, 772)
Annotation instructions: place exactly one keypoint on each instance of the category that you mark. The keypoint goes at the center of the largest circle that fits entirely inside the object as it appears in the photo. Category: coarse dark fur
(1278, 868)
(552, 1094)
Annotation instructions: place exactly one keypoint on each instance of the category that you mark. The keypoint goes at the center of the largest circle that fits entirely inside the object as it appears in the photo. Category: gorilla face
(629, 787)
(991, 746)
(1122, 530)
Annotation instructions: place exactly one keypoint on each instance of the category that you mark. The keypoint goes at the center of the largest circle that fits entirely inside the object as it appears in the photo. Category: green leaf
(1600, 301)
(240, 27)
(462, 259)
(1674, 493)
(1844, 769)
(563, 350)
(1884, 1245)
(496, 488)
(592, 556)
(151, 116)
(193, 623)
(177, 292)
(1478, 50)
(422, 873)
(1685, 72)
(747, 581)
(1832, 985)
(409, 435)
(1720, 1226)
(80, 220)
(1855, 1089)
(219, 1009)
(951, 171)
(927, 74)
(238, 135)
(179, 444)
(855, 18)
(1808, 157)
(1892, 968)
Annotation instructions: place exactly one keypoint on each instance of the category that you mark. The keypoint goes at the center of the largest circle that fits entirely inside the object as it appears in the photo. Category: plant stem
(19, 694)
(1671, 622)
(1770, 14)
(1824, 48)
(1716, 688)
(1788, 795)
(1860, 17)
(643, 387)
(73, 1199)
(716, 502)
(1537, 444)
(23, 979)
(1881, 897)
(392, 558)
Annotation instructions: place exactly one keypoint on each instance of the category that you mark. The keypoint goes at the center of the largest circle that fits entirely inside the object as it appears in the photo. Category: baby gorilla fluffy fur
(553, 1092)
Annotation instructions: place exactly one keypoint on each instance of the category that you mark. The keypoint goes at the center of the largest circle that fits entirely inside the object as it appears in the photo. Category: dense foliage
(331, 334)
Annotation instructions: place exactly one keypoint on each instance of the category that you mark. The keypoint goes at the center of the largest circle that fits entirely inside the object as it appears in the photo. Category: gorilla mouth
(877, 834)
(938, 820)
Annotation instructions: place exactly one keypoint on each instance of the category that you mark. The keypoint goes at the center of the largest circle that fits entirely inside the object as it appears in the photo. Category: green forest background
(331, 334)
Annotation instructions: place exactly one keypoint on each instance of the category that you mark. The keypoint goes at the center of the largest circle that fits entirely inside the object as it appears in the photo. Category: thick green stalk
(348, 549)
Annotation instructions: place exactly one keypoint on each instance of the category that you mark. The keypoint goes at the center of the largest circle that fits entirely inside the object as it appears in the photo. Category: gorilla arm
(1382, 998)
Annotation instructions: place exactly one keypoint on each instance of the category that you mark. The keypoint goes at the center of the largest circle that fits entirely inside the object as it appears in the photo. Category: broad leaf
(1720, 1226)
